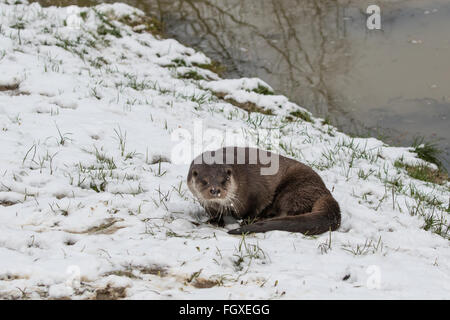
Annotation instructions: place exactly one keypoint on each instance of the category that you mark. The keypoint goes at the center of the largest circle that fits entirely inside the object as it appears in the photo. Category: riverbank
(93, 205)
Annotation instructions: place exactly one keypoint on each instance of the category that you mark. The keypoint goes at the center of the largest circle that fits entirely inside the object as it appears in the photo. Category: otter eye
(204, 182)
(195, 173)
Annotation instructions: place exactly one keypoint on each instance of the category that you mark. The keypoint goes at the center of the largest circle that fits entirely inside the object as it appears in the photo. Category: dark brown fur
(293, 199)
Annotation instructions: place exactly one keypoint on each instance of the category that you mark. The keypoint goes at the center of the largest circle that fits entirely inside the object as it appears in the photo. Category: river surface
(392, 83)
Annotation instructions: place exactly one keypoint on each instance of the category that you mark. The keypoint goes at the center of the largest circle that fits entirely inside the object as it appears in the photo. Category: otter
(231, 181)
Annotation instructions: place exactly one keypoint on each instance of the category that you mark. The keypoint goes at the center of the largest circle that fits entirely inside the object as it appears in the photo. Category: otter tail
(324, 216)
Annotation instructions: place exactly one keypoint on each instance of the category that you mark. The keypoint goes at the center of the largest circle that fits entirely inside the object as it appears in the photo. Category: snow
(87, 210)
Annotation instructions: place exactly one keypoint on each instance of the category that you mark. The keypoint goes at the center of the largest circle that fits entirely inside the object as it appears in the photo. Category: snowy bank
(93, 205)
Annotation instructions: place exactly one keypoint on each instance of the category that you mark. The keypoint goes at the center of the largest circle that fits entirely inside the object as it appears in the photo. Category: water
(392, 83)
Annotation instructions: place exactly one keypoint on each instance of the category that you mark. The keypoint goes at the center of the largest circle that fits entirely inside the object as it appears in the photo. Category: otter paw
(236, 231)
(250, 228)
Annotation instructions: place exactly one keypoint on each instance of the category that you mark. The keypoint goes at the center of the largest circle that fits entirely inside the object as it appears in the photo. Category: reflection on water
(394, 81)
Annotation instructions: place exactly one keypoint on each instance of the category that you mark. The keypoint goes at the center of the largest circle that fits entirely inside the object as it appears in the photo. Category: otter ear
(194, 173)
(229, 171)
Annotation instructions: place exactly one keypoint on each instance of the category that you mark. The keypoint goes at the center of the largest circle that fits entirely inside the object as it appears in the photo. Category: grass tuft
(427, 150)
(302, 115)
(263, 90)
(423, 172)
(214, 66)
(191, 74)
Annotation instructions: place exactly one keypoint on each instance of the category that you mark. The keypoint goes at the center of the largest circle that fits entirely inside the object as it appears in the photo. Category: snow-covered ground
(94, 205)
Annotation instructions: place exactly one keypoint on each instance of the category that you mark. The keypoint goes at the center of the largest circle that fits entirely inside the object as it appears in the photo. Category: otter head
(212, 183)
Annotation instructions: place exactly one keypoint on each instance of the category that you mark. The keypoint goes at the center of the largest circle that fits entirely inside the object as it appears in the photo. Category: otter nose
(214, 191)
